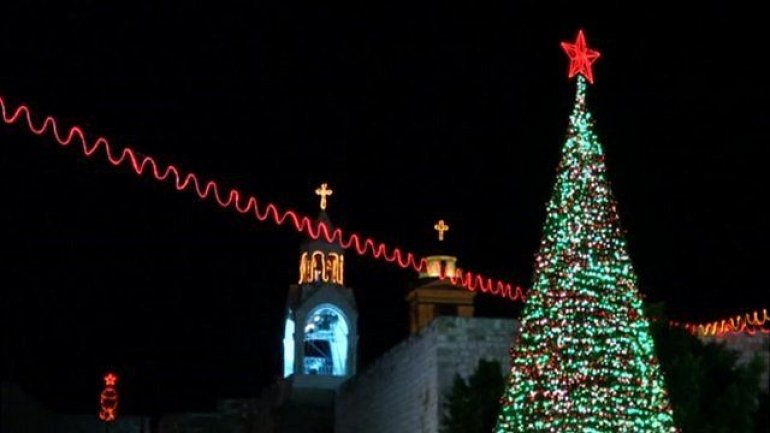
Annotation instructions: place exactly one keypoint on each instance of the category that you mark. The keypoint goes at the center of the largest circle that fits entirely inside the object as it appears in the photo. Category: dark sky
(411, 114)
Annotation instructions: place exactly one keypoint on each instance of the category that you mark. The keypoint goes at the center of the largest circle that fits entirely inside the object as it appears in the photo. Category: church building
(324, 389)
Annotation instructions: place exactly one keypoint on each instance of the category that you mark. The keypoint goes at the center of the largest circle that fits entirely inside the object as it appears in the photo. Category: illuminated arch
(327, 344)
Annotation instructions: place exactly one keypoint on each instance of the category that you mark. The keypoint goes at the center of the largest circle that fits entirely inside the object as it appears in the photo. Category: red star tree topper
(580, 57)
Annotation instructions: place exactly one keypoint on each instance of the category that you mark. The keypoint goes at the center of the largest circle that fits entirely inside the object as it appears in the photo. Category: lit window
(326, 341)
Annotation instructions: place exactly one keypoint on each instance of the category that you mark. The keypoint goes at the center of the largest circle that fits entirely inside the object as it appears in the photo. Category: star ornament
(110, 379)
(580, 57)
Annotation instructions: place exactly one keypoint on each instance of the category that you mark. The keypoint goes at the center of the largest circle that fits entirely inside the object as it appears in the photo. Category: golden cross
(324, 192)
(441, 227)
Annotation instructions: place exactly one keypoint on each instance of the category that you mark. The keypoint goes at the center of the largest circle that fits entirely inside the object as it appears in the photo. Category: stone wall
(250, 415)
(747, 346)
(403, 391)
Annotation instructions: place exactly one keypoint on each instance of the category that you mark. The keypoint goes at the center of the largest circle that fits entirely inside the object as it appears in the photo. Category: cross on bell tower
(436, 295)
(441, 227)
(324, 191)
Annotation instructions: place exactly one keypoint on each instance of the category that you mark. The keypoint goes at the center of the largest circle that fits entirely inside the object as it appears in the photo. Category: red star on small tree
(110, 379)
(580, 57)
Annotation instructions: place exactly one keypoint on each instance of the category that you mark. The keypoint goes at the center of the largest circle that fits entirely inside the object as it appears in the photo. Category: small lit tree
(108, 399)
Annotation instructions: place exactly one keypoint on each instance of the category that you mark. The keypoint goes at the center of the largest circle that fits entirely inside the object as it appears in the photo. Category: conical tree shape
(584, 360)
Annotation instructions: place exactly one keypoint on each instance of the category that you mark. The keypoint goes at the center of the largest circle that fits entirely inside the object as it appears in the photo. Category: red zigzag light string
(247, 204)
(749, 323)
(234, 199)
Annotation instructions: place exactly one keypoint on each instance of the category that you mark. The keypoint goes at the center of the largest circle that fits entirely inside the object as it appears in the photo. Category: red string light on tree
(108, 399)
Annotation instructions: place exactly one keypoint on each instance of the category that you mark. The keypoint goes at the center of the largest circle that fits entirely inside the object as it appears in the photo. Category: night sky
(410, 113)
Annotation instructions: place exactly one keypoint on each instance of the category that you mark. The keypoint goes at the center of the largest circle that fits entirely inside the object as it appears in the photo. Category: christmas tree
(584, 360)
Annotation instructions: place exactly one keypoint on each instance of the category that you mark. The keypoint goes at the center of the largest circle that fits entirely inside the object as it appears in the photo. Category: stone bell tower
(436, 295)
(321, 329)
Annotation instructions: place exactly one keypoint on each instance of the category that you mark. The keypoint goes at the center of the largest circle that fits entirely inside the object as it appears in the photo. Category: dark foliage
(710, 392)
(472, 406)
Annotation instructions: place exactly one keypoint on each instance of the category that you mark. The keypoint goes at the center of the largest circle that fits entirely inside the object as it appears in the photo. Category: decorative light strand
(749, 324)
(247, 204)
(304, 224)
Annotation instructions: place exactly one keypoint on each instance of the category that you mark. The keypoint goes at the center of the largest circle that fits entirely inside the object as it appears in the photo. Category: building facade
(404, 390)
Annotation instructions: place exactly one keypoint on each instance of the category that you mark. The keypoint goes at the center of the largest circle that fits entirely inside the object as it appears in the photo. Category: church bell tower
(321, 328)
(436, 295)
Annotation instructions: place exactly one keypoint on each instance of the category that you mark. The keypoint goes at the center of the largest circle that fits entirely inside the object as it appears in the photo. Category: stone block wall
(403, 391)
(747, 346)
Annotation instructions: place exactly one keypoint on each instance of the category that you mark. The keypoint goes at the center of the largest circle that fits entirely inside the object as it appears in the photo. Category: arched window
(304, 269)
(318, 266)
(326, 341)
(288, 346)
(333, 267)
